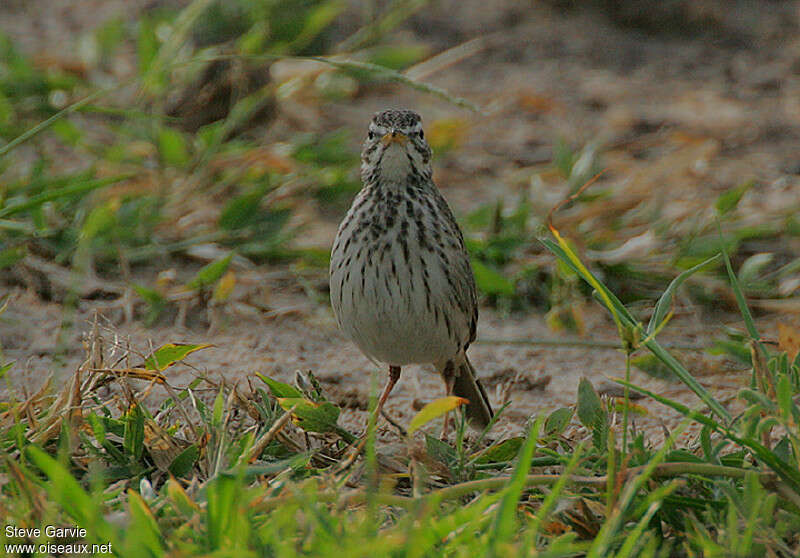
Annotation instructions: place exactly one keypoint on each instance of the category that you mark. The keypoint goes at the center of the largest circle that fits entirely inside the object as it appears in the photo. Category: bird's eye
(421, 134)
(371, 134)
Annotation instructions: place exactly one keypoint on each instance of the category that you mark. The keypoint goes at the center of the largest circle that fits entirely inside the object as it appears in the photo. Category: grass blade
(65, 192)
(603, 541)
(225, 515)
(22, 138)
(783, 469)
(555, 492)
(505, 520)
(65, 490)
(619, 313)
(740, 299)
(679, 407)
(687, 378)
(627, 325)
(382, 72)
(665, 302)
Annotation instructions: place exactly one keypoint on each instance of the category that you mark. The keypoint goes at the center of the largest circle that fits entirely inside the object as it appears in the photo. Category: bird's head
(395, 147)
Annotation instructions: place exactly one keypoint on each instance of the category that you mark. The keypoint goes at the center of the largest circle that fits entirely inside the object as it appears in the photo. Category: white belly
(397, 314)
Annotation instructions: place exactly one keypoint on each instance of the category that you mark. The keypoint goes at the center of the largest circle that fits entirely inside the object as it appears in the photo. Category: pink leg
(449, 383)
(394, 375)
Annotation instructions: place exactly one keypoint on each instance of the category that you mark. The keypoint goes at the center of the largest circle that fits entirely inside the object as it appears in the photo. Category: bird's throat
(395, 164)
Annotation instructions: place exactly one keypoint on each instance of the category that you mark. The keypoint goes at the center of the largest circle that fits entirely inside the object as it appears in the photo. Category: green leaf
(679, 407)
(665, 301)
(100, 219)
(316, 21)
(146, 45)
(682, 456)
(66, 130)
(167, 355)
(505, 523)
(71, 191)
(589, 403)
(564, 157)
(740, 300)
(753, 267)
(433, 410)
(480, 219)
(440, 451)
(11, 256)
(179, 499)
(133, 441)
(315, 417)
(733, 348)
(296, 462)
(142, 522)
(567, 256)
(184, 461)
(226, 523)
(729, 199)
(504, 451)
(558, 421)
(219, 408)
(626, 323)
(150, 296)
(173, 148)
(64, 490)
(782, 450)
(98, 429)
(784, 396)
(279, 389)
(785, 470)
(383, 73)
(242, 111)
(210, 273)
(591, 413)
(397, 57)
(241, 211)
(328, 151)
(7, 112)
(490, 281)
(553, 496)
(155, 301)
(109, 36)
(705, 443)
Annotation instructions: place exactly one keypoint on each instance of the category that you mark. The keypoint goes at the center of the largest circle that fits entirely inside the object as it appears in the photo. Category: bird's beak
(393, 137)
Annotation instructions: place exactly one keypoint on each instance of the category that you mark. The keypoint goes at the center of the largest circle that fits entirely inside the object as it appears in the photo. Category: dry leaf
(224, 287)
(789, 340)
(537, 103)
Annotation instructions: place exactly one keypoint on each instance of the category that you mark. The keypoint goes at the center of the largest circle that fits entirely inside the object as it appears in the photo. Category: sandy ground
(684, 117)
(535, 379)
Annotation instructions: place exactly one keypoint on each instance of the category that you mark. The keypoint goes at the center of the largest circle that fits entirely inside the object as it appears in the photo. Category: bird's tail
(467, 385)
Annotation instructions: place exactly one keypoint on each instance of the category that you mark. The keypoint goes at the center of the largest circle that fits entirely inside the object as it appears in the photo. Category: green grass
(270, 472)
(216, 469)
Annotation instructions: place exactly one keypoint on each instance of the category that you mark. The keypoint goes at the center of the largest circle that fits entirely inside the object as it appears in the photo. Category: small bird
(402, 287)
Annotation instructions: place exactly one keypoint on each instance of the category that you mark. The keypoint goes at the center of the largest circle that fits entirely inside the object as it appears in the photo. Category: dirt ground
(683, 116)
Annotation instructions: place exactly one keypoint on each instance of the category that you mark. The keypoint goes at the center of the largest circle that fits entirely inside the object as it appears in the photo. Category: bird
(401, 283)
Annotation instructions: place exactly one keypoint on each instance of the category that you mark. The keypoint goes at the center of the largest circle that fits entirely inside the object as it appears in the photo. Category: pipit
(402, 287)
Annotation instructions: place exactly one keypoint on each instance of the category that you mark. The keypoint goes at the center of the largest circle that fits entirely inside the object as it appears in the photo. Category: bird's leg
(394, 375)
(449, 376)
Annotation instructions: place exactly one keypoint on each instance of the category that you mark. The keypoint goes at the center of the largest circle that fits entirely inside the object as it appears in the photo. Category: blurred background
(180, 168)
